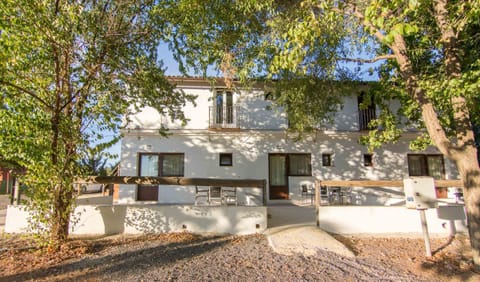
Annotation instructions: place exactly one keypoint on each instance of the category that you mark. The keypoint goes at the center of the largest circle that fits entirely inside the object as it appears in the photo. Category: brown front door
(147, 193)
(278, 180)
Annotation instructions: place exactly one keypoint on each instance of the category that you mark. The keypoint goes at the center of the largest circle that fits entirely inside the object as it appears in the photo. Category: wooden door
(278, 179)
(147, 193)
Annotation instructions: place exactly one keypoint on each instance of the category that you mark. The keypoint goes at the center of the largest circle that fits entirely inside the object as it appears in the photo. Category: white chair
(324, 195)
(346, 194)
(215, 195)
(229, 195)
(202, 193)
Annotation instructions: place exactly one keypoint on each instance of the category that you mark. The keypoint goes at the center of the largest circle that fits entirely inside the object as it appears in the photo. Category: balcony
(224, 117)
(365, 116)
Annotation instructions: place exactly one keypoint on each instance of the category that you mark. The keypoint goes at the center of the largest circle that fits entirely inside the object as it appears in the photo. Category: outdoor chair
(229, 195)
(334, 194)
(341, 195)
(324, 195)
(202, 193)
(215, 195)
(307, 192)
(346, 194)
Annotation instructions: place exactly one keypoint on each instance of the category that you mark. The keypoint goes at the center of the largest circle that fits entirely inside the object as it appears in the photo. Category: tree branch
(26, 91)
(372, 60)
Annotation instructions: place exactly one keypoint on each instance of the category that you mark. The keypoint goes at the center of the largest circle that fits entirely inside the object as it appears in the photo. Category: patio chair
(346, 194)
(202, 193)
(229, 195)
(215, 195)
(324, 195)
(334, 194)
(307, 192)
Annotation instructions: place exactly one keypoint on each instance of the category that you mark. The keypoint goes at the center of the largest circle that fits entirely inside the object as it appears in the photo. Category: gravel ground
(194, 258)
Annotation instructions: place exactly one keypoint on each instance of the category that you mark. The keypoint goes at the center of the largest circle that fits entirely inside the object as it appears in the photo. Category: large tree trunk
(470, 173)
(60, 218)
(462, 151)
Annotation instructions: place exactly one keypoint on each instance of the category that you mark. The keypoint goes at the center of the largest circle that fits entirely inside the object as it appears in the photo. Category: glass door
(278, 180)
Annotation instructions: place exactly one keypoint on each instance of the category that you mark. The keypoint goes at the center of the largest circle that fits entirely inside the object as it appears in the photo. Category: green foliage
(70, 72)
(307, 41)
(94, 163)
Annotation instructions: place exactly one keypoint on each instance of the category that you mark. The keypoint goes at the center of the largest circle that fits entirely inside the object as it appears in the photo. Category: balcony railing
(224, 117)
(365, 116)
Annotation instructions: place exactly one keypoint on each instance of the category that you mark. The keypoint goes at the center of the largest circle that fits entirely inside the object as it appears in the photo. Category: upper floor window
(224, 104)
(300, 165)
(223, 113)
(366, 110)
(161, 164)
(426, 165)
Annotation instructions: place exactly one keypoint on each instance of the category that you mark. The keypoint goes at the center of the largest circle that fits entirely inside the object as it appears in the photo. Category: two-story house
(239, 134)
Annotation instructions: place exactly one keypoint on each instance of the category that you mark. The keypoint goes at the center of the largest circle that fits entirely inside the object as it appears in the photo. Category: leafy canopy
(296, 41)
(69, 71)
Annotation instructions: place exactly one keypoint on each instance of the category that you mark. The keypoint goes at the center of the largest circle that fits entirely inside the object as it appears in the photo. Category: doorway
(278, 178)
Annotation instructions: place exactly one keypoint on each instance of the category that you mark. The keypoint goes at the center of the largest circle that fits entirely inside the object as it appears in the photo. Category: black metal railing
(365, 116)
(224, 117)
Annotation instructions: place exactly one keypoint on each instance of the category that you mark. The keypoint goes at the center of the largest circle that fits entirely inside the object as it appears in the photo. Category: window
(157, 164)
(367, 160)
(299, 165)
(172, 165)
(326, 159)
(426, 165)
(224, 107)
(226, 159)
(161, 164)
(366, 111)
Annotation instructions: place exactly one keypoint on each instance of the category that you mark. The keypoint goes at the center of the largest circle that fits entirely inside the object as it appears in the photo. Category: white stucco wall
(135, 219)
(446, 220)
(254, 112)
(262, 131)
(250, 161)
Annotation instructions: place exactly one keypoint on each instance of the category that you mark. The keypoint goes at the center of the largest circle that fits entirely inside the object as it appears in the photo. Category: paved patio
(292, 229)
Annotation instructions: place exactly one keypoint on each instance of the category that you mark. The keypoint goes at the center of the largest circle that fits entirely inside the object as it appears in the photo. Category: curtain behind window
(277, 170)
(415, 165)
(300, 165)
(435, 166)
(172, 165)
(149, 165)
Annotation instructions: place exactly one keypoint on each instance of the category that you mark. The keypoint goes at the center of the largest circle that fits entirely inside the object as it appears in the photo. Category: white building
(238, 134)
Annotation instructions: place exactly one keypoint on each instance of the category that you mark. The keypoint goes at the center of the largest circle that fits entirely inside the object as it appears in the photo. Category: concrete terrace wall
(137, 219)
(446, 220)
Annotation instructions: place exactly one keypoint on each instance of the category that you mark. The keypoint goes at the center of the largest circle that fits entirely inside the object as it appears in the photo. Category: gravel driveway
(221, 258)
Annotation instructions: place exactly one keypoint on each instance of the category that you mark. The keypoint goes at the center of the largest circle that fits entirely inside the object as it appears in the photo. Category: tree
(69, 71)
(93, 163)
(428, 50)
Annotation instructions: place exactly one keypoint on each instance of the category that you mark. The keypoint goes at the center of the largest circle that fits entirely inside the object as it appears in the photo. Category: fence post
(317, 202)
(16, 192)
(264, 193)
